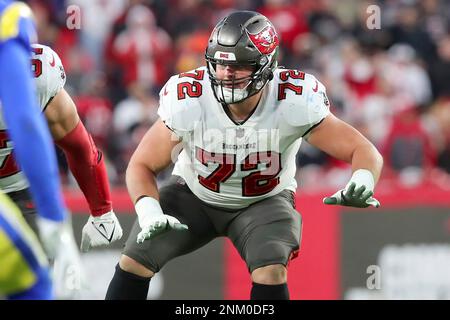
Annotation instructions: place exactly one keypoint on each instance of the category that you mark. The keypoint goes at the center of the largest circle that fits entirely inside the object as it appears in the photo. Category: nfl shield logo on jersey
(240, 132)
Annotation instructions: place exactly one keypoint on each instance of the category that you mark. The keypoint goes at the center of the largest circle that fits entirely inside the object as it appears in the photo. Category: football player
(24, 272)
(85, 161)
(240, 122)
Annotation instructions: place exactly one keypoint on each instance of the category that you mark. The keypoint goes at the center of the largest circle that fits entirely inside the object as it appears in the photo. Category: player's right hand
(153, 221)
(158, 225)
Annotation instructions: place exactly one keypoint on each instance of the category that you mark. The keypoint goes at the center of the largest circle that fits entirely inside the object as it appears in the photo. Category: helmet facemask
(232, 91)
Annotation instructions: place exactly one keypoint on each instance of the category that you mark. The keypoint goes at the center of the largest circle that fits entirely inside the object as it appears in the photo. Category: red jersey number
(36, 63)
(254, 184)
(8, 165)
(282, 87)
(192, 89)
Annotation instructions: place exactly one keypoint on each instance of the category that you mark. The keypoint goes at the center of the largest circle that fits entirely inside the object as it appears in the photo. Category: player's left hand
(100, 231)
(353, 197)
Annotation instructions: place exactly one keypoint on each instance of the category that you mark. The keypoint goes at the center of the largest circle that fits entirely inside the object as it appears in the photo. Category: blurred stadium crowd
(391, 83)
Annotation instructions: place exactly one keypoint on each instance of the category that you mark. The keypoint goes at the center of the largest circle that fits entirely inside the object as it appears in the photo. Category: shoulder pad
(179, 110)
(16, 22)
(308, 108)
(49, 73)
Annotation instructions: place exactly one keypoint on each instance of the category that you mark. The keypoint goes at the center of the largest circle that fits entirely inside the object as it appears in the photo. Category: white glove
(59, 244)
(68, 274)
(99, 231)
(50, 233)
(153, 221)
(357, 193)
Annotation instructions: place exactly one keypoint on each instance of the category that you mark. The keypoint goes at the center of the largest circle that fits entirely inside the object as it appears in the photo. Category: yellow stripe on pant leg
(15, 273)
(13, 215)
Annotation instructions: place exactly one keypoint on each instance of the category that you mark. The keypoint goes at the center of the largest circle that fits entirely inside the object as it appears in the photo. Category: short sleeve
(179, 114)
(307, 110)
(49, 73)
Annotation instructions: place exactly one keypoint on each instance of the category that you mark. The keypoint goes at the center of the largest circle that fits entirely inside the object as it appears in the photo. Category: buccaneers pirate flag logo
(266, 40)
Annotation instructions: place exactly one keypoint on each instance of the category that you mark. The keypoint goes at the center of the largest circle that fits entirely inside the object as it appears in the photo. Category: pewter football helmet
(242, 38)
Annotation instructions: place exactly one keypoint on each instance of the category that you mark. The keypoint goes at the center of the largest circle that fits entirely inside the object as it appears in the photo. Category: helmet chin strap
(232, 95)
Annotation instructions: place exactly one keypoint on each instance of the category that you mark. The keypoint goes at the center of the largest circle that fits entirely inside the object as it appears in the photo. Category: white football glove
(51, 233)
(357, 193)
(153, 221)
(61, 248)
(67, 271)
(99, 231)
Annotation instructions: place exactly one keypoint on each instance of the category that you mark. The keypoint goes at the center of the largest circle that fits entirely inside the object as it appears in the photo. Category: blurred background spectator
(392, 82)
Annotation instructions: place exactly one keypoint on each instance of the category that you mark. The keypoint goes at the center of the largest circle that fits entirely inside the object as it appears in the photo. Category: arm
(61, 114)
(88, 167)
(85, 162)
(153, 154)
(348, 145)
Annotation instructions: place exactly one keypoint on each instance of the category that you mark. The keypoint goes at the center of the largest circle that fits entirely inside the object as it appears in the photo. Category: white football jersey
(49, 78)
(233, 165)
